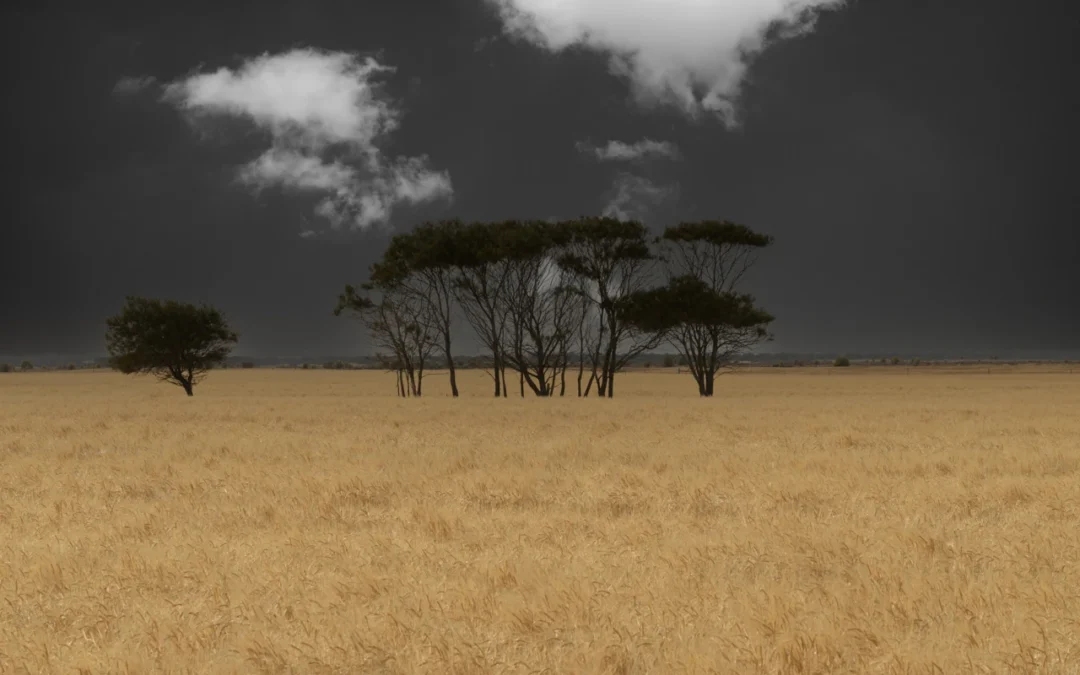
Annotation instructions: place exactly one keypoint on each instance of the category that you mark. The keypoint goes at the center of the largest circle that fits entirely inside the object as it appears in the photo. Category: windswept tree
(718, 253)
(700, 311)
(423, 265)
(397, 322)
(484, 270)
(708, 328)
(541, 308)
(608, 259)
(176, 342)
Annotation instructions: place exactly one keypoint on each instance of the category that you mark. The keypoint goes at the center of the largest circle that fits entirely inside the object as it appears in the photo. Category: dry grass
(308, 522)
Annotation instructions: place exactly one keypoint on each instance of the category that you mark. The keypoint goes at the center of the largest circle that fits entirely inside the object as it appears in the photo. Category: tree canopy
(532, 291)
(174, 341)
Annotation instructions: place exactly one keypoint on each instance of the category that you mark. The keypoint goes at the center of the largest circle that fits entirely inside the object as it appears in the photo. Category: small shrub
(669, 361)
(26, 365)
(896, 360)
(6, 368)
(842, 362)
(247, 365)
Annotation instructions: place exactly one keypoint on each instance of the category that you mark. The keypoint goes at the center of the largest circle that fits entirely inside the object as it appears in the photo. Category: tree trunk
(186, 384)
(611, 385)
(580, 374)
(498, 387)
(710, 378)
(450, 365)
(506, 391)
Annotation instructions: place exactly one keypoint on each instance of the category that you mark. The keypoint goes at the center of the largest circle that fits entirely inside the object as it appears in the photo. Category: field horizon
(804, 520)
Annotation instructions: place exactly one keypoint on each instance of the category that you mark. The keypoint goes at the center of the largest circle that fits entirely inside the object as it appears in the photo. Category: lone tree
(174, 341)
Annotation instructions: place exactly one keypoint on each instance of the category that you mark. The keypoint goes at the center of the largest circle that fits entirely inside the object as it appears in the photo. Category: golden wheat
(307, 521)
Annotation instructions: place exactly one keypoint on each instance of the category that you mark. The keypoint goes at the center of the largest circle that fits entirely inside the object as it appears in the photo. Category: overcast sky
(913, 158)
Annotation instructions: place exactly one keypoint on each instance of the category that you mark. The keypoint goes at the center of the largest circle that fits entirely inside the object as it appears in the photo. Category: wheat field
(802, 521)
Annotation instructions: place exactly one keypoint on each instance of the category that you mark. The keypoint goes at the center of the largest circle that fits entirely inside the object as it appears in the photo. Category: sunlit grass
(308, 521)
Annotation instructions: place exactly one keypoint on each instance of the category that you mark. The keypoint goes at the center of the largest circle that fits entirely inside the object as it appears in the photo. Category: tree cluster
(577, 299)
(583, 297)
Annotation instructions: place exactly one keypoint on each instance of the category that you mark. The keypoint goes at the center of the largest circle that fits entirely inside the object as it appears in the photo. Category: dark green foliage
(669, 361)
(176, 342)
(26, 366)
(687, 301)
(700, 310)
(6, 368)
(247, 365)
(599, 246)
(842, 362)
(717, 233)
(710, 327)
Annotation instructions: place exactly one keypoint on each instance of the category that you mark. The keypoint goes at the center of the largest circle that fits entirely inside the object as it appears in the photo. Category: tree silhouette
(422, 265)
(176, 342)
(699, 311)
(484, 265)
(709, 328)
(399, 323)
(540, 308)
(532, 291)
(608, 259)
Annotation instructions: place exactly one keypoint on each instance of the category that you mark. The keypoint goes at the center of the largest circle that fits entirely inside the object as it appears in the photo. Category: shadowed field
(803, 521)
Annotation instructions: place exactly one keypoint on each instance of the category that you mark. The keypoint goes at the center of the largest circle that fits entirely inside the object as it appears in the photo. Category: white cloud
(326, 117)
(633, 197)
(617, 151)
(133, 84)
(669, 49)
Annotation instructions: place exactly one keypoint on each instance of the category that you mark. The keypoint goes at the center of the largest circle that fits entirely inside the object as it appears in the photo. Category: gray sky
(912, 159)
